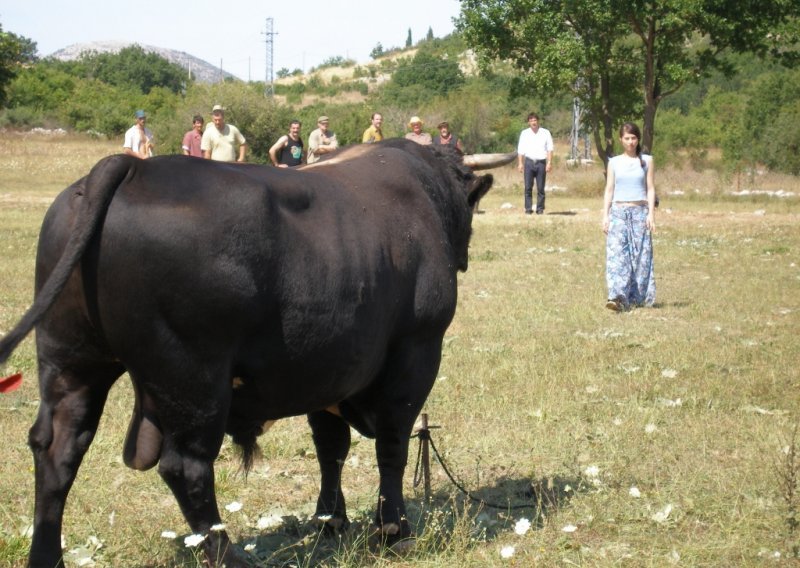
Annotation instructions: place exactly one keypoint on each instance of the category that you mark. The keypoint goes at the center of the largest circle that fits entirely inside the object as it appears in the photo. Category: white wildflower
(617, 421)
(592, 471)
(569, 528)
(662, 515)
(233, 507)
(269, 522)
(169, 534)
(193, 540)
(94, 542)
(507, 551)
(669, 373)
(634, 492)
(523, 525)
(650, 428)
(219, 527)
(249, 547)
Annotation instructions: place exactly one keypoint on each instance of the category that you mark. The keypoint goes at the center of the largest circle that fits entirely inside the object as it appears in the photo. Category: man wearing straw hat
(416, 134)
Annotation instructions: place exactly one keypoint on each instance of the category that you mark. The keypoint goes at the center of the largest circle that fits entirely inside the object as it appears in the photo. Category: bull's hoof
(331, 525)
(404, 546)
(394, 537)
(232, 557)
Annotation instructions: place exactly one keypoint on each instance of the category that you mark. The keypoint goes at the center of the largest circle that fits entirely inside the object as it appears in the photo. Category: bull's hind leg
(193, 409)
(332, 442)
(69, 411)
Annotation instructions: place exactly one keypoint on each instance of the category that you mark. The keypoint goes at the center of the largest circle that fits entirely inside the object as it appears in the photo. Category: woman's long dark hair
(631, 128)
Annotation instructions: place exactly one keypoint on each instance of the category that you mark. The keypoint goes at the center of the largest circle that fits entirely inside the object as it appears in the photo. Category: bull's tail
(101, 184)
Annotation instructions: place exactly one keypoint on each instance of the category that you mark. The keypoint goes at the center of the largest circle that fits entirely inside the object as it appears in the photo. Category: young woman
(628, 222)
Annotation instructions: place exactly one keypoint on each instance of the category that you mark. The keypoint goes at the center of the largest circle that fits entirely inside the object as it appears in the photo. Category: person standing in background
(193, 139)
(138, 139)
(374, 132)
(447, 138)
(219, 141)
(535, 157)
(287, 152)
(321, 141)
(628, 222)
(416, 134)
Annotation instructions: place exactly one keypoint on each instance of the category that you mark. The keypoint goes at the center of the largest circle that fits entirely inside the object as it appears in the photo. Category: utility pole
(270, 88)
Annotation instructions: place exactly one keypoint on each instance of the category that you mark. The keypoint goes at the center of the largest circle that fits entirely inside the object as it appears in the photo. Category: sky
(308, 32)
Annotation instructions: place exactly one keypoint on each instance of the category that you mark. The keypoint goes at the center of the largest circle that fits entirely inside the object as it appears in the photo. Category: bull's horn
(486, 161)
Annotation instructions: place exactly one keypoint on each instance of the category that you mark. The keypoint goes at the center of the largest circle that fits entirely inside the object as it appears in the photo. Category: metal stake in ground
(426, 458)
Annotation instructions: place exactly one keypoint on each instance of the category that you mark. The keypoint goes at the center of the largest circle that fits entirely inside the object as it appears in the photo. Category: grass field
(657, 437)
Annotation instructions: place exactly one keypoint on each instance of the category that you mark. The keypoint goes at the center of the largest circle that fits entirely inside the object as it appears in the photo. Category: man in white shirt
(138, 138)
(534, 156)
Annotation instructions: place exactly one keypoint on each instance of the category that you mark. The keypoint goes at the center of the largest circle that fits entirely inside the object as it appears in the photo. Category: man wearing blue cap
(138, 139)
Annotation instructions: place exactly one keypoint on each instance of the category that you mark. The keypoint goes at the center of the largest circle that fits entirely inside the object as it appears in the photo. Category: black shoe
(528, 212)
(540, 212)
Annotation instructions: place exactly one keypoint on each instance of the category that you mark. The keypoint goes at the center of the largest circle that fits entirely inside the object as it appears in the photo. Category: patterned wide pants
(629, 257)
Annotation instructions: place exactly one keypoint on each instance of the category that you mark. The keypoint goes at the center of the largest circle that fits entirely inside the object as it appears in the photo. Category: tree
(409, 43)
(605, 51)
(377, 51)
(422, 78)
(15, 51)
(429, 36)
(134, 67)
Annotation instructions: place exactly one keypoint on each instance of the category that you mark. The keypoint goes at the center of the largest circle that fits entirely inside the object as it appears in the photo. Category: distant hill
(203, 71)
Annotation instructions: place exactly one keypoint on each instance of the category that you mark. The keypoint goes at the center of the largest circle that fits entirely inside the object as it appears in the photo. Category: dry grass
(690, 402)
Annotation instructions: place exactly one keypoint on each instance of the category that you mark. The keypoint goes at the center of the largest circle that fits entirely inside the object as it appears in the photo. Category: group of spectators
(224, 142)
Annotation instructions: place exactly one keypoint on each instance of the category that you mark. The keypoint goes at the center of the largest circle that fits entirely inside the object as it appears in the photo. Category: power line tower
(270, 88)
(579, 132)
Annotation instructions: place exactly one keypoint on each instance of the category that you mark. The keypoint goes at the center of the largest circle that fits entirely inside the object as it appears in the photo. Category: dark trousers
(534, 169)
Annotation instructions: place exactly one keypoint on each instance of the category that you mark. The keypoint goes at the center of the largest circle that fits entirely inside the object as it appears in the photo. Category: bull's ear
(479, 187)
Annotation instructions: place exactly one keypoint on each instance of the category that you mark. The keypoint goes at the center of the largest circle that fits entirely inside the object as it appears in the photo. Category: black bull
(237, 294)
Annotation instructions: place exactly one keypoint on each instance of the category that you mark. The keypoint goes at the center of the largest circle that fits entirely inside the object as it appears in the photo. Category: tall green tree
(15, 51)
(619, 58)
(409, 41)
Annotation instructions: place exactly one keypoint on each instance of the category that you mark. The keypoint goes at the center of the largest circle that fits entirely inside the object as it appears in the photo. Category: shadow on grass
(564, 213)
(450, 521)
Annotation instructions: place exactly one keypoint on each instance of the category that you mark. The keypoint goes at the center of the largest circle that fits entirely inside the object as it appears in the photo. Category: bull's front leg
(332, 443)
(409, 374)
